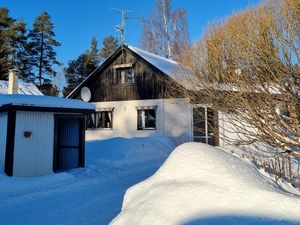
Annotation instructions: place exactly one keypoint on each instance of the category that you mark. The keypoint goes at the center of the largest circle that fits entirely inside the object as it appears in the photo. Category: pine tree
(42, 45)
(110, 44)
(5, 22)
(78, 69)
(92, 55)
(13, 47)
(50, 88)
(94, 51)
(81, 67)
(21, 52)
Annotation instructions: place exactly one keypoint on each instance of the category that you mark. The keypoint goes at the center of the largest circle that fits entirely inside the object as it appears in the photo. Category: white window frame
(109, 110)
(206, 122)
(143, 109)
(123, 75)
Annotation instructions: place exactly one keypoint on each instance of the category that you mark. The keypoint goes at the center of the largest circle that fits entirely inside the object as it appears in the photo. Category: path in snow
(87, 196)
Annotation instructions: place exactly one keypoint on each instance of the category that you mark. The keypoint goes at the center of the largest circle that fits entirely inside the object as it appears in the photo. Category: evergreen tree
(81, 67)
(94, 51)
(42, 45)
(75, 73)
(110, 44)
(92, 55)
(5, 23)
(50, 88)
(13, 47)
(21, 52)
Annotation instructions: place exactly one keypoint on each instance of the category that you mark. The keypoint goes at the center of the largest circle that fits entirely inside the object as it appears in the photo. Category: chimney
(12, 82)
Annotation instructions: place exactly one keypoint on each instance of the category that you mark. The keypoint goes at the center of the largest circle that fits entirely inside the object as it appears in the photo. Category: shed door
(69, 144)
(205, 126)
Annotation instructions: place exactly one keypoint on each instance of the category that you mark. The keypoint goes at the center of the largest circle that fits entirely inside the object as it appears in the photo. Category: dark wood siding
(149, 82)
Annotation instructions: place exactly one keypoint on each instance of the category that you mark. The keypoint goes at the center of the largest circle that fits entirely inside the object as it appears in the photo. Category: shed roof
(23, 88)
(45, 103)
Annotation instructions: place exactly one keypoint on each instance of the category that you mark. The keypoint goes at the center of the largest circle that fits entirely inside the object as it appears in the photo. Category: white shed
(41, 134)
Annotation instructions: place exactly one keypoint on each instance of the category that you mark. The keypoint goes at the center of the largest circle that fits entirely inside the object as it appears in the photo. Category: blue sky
(77, 21)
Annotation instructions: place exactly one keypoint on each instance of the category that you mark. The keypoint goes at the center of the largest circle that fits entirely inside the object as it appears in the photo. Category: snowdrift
(200, 184)
(128, 151)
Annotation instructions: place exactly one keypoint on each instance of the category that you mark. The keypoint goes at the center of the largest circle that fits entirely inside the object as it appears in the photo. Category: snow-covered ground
(88, 196)
(200, 184)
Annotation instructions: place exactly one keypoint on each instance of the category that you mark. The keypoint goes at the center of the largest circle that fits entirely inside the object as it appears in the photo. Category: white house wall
(171, 120)
(229, 133)
(3, 130)
(178, 120)
(33, 156)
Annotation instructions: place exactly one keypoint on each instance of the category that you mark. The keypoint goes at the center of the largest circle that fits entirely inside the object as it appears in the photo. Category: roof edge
(9, 107)
(96, 70)
(107, 60)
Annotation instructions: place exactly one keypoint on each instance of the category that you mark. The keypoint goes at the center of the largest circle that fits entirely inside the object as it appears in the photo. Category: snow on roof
(43, 101)
(168, 66)
(200, 184)
(24, 88)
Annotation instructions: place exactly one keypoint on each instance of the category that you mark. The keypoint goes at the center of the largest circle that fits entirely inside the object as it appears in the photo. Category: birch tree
(165, 31)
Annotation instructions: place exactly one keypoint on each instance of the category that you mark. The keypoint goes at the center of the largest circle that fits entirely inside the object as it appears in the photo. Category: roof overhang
(11, 107)
(108, 61)
(102, 66)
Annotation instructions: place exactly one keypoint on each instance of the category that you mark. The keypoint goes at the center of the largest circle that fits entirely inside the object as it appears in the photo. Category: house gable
(104, 83)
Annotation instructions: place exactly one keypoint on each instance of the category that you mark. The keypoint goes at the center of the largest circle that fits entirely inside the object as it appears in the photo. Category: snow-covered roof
(24, 88)
(43, 101)
(170, 67)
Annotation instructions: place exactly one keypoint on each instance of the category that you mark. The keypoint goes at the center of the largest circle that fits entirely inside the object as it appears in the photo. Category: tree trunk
(169, 53)
(41, 60)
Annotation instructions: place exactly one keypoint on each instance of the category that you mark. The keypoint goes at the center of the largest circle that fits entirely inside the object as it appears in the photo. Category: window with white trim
(125, 75)
(146, 118)
(205, 125)
(100, 119)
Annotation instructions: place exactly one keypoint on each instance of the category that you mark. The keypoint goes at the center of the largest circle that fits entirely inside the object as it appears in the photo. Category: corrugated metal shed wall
(33, 156)
(3, 129)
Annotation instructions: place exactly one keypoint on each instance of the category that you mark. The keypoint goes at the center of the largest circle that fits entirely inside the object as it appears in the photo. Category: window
(122, 78)
(125, 76)
(146, 119)
(101, 119)
(204, 125)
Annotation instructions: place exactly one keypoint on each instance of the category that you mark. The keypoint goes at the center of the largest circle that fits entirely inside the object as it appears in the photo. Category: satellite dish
(85, 94)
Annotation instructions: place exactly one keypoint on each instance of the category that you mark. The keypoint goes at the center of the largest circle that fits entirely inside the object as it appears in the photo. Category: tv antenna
(121, 28)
